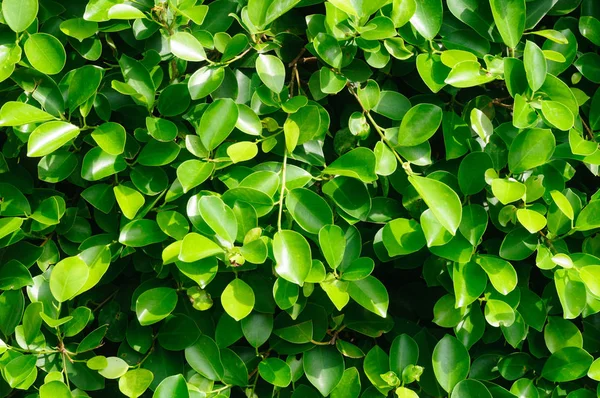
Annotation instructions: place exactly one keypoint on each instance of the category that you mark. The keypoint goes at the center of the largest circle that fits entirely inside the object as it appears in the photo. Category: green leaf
(196, 247)
(110, 137)
(332, 241)
(571, 292)
(8, 225)
(499, 313)
(98, 164)
(419, 124)
(217, 122)
(271, 71)
(308, 209)
(470, 389)
(589, 218)
(45, 53)
(205, 81)
(558, 115)
(590, 275)
(349, 385)
(248, 121)
(427, 19)
(531, 148)
(501, 273)
(263, 12)
(535, 65)
(560, 333)
(204, 357)
(242, 151)
(371, 294)
(15, 113)
(402, 236)
(567, 364)
(135, 382)
(432, 70)
(50, 136)
(531, 220)
(219, 217)
(172, 386)
(125, 11)
(79, 28)
(509, 16)
(238, 299)
(178, 332)
(116, 367)
(192, 173)
(391, 104)
(130, 201)
(441, 199)
(139, 79)
(469, 281)
(451, 362)
(324, 368)
(185, 46)
(471, 172)
(55, 389)
(292, 256)
(404, 351)
(19, 14)
(139, 233)
(579, 146)
(67, 278)
(328, 48)
(275, 371)
(358, 163)
(375, 365)
(154, 305)
(468, 74)
(357, 7)
(507, 190)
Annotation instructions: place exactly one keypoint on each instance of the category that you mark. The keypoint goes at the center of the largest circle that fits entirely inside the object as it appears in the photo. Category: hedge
(299, 198)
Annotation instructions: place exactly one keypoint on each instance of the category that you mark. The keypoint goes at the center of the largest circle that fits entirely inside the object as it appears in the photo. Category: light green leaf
(238, 299)
(427, 19)
(535, 65)
(451, 362)
(217, 122)
(567, 364)
(419, 124)
(130, 200)
(292, 256)
(308, 209)
(441, 199)
(45, 53)
(509, 16)
(154, 305)
(50, 136)
(271, 71)
(501, 273)
(324, 368)
(15, 113)
(135, 382)
(19, 14)
(371, 294)
(531, 148)
(187, 47)
(531, 220)
(110, 137)
(68, 277)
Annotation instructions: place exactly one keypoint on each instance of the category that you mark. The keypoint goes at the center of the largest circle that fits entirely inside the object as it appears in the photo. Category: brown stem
(588, 129)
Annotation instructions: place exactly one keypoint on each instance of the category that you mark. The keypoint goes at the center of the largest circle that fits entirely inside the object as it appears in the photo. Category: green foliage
(299, 198)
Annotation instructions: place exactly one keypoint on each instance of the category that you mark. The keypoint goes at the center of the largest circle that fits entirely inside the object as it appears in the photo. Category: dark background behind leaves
(299, 198)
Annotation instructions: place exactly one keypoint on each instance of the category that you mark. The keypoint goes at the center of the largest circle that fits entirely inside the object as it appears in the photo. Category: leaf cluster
(299, 198)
